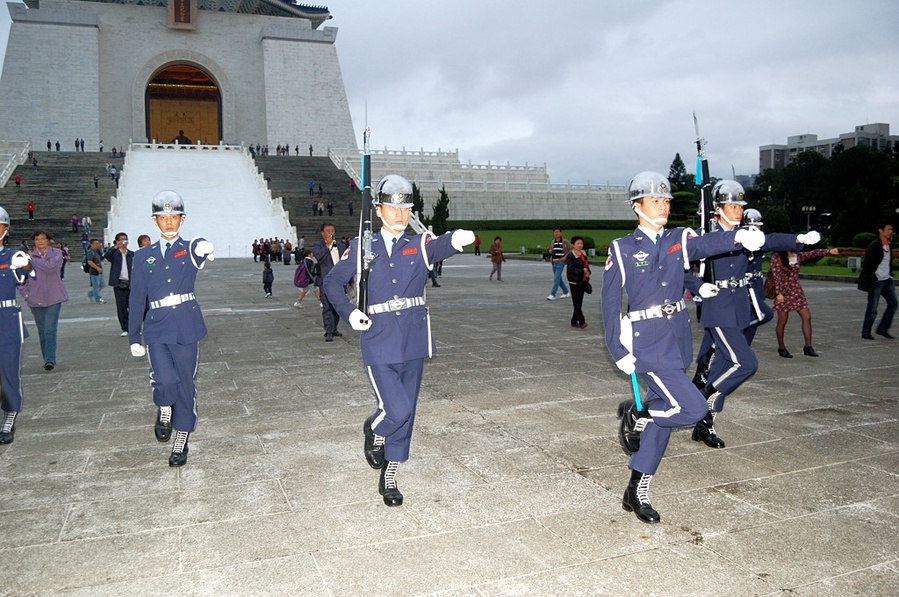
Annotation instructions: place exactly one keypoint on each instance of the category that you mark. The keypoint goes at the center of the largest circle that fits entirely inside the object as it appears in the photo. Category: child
(308, 265)
(268, 278)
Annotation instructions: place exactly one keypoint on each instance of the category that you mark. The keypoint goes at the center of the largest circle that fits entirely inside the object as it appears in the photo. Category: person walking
(559, 249)
(14, 268)
(121, 259)
(95, 270)
(327, 251)
(304, 277)
(876, 278)
(45, 293)
(30, 208)
(790, 297)
(578, 274)
(168, 317)
(268, 278)
(496, 258)
(395, 330)
(477, 245)
(652, 339)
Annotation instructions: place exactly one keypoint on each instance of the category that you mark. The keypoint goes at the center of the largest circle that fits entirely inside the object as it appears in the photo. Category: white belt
(666, 310)
(731, 283)
(751, 275)
(397, 304)
(9, 303)
(172, 300)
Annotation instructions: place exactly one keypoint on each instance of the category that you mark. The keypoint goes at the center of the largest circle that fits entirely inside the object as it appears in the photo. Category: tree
(441, 213)
(677, 174)
(418, 204)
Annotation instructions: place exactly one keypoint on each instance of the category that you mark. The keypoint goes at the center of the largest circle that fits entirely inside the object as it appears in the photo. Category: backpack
(770, 286)
(300, 277)
(84, 265)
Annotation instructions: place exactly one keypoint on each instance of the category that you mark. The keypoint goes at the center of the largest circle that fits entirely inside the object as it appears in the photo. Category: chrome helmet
(395, 191)
(753, 217)
(168, 203)
(4, 216)
(648, 184)
(729, 191)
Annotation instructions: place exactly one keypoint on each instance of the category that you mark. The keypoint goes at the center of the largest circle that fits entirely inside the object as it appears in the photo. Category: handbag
(588, 288)
(770, 286)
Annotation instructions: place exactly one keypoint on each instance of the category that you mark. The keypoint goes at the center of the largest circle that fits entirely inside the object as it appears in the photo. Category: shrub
(863, 239)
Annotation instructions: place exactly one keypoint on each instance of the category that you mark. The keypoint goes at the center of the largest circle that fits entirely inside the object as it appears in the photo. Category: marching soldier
(396, 331)
(653, 337)
(726, 316)
(162, 282)
(14, 266)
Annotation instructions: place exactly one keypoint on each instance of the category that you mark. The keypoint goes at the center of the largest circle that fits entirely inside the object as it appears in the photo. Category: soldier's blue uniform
(12, 333)
(653, 277)
(394, 348)
(172, 326)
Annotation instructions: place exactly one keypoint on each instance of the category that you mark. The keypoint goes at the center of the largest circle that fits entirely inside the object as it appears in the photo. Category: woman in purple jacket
(45, 293)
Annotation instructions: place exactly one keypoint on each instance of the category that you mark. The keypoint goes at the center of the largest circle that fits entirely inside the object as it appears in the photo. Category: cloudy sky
(599, 90)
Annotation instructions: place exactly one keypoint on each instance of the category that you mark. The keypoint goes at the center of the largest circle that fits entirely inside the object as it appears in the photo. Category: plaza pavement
(515, 479)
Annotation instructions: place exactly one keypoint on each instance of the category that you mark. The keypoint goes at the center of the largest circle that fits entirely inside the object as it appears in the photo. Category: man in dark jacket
(327, 251)
(876, 279)
(121, 259)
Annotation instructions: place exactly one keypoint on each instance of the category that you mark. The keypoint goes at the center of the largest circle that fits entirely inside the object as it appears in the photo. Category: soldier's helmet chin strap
(5, 234)
(720, 213)
(169, 235)
(660, 221)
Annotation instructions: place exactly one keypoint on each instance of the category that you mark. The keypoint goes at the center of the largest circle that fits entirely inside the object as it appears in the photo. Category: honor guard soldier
(162, 302)
(652, 338)
(396, 331)
(760, 312)
(14, 267)
(726, 316)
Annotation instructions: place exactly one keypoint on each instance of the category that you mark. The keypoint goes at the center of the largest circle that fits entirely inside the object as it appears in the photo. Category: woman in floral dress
(785, 265)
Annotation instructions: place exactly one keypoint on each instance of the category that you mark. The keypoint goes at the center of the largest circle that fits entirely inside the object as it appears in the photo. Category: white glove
(137, 350)
(707, 290)
(18, 260)
(359, 321)
(204, 248)
(809, 238)
(462, 238)
(627, 363)
(751, 238)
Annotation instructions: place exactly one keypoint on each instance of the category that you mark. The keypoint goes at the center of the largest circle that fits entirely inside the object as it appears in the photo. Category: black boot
(374, 446)
(387, 485)
(8, 427)
(809, 351)
(163, 427)
(636, 498)
(704, 431)
(701, 377)
(633, 422)
(178, 456)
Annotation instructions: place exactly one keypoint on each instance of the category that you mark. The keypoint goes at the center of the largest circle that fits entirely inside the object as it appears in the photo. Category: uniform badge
(410, 251)
(181, 253)
(641, 259)
(151, 263)
(674, 248)
(346, 255)
(609, 262)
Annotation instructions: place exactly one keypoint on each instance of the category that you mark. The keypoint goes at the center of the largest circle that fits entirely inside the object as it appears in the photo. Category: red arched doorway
(184, 98)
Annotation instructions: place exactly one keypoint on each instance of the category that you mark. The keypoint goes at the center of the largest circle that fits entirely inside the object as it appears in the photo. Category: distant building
(873, 135)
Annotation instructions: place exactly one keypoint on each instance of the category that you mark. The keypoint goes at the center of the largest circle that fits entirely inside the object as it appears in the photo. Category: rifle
(364, 255)
(706, 203)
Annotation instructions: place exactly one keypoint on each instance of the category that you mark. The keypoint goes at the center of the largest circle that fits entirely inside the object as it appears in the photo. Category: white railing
(13, 154)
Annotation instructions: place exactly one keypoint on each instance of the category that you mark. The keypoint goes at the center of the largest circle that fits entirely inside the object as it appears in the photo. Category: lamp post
(808, 210)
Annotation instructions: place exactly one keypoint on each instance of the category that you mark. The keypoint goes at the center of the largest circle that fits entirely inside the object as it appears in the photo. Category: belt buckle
(733, 283)
(396, 304)
(669, 309)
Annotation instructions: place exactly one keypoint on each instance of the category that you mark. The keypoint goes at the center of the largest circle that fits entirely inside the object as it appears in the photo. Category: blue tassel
(698, 177)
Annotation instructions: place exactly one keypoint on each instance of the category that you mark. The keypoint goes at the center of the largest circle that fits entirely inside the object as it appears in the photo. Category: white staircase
(226, 199)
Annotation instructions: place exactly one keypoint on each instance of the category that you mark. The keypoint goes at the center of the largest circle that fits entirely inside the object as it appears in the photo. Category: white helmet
(168, 203)
(753, 217)
(395, 191)
(648, 184)
(4, 216)
(729, 191)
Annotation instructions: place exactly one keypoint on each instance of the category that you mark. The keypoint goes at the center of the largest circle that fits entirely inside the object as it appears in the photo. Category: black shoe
(329, 337)
(867, 336)
(8, 428)
(636, 498)
(704, 431)
(387, 484)
(178, 457)
(784, 353)
(374, 455)
(163, 431)
(435, 285)
(885, 335)
(629, 430)
(809, 351)
(49, 366)
(337, 334)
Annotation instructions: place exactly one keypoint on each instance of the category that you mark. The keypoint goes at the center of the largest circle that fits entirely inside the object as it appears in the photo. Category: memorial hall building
(221, 71)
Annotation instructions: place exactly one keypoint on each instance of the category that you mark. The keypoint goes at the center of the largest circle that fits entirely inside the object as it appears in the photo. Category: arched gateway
(138, 70)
